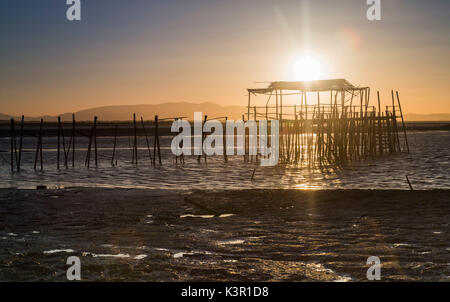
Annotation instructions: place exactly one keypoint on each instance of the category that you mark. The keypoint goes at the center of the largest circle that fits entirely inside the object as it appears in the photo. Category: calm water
(427, 165)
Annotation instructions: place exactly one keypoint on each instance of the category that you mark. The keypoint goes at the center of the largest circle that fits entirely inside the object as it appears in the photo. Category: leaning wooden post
(146, 139)
(66, 153)
(157, 138)
(95, 140)
(12, 145)
(73, 140)
(403, 122)
(380, 133)
(394, 121)
(156, 143)
(276, 105)
(39, 147)
(245, 139)
(256, 155)
(155, 133)
(281, 109)
(114, 146)
(389, 131)
(135, 139)
(248, 107)
(20, 145)
(199, 157)
(87, 162)
(204, 135)
(59, 143)
(225, 158)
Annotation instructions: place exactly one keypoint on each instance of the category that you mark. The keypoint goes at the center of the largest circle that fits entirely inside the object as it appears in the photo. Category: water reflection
(427, 166)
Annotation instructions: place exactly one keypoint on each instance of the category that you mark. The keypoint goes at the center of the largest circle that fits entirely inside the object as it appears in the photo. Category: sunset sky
(140, 51)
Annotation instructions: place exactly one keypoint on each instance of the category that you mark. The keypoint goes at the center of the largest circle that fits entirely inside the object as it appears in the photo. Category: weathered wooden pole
(156, 143)
(39, 147)
(88, 154)
(225, 157)
(380, 132)
(12, 145)
(73, 140)
(281, 108)
(114, 146)
(276, 105)
(255, 118)
(20, 144)
(95, 141)
(146, 139)
(394, 122)
(245, 140)
(64, 147)
(59, 143)
(403, 122)
(204, 136)
(135, 140)
(248, 106)
(389, 131)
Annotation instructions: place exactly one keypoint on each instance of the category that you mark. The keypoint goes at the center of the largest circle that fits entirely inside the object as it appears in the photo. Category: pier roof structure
(306, 86)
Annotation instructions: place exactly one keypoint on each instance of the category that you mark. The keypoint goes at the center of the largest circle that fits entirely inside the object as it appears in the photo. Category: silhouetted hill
(181, 109)
(436, 117)
(147, 111)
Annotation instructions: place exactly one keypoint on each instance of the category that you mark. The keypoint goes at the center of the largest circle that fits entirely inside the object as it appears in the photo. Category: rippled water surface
(427, 165)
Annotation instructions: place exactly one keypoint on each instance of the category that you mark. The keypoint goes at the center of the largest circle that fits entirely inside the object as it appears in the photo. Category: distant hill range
(181, 109)
(147, 111)
(435, 117)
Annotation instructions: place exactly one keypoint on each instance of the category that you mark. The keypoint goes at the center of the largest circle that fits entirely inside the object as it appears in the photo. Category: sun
(306, 68)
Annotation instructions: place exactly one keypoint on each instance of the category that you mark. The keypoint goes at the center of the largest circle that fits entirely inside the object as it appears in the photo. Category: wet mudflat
(233, 235)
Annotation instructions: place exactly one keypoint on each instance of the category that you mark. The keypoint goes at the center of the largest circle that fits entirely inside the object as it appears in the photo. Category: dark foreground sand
(274, 235)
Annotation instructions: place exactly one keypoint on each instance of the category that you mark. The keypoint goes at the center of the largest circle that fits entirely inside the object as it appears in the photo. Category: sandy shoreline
(240, 235)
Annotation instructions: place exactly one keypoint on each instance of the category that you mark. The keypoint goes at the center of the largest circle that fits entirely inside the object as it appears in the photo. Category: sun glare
(306, 68)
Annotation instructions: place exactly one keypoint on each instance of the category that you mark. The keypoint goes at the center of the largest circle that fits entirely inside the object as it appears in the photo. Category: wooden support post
(87, 162)
(64, 146)
(248, 107)
(204, 136)
(146, 139)
(156, 146)
(389, 131)
(114, 146)
(135, 140)
(403, 122)
(59, 142)
(20, 144)
(255, 118)
(39, 147)
(12, 145)
(394, 123)
(95, 141)
(245, 140)
(380, 132)
(73, 140)
(225, 157)
(276, 104)
(281, 108)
